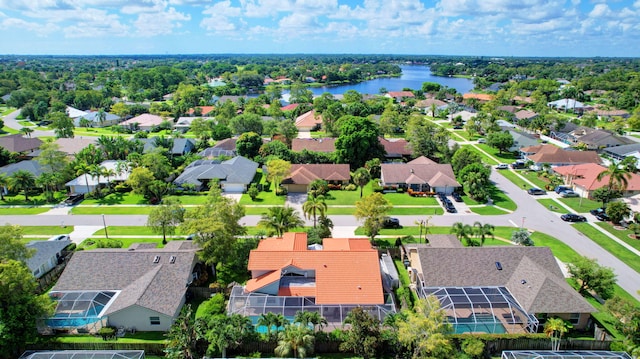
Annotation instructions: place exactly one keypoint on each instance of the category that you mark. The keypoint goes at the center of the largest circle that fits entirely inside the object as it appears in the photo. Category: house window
(154, 320)
(574, 318)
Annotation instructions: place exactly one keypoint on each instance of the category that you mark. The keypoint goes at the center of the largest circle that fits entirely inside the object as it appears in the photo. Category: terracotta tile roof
(510, 109)
(523, 99)
(556, 155)
(307, 173)
(205, 110)
(400, 94)
(478, 96)
(314, 144)
(430, 101)
(309, 119)
(396, 148)
(611, 113)
(344, 273)
(585, 176)
(290, 107)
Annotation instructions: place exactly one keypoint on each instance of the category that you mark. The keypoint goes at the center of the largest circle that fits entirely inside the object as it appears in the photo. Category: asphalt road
(532, 214)
(11, 122)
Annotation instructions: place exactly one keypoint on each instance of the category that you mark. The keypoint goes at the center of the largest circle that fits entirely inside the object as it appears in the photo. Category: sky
(574, 28)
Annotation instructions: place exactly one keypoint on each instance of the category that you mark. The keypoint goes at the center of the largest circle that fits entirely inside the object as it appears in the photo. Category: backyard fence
(46, 281)
(149, 348)
(203, 292)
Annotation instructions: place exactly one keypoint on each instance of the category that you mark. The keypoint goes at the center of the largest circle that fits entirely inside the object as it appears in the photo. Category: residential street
(534, 216)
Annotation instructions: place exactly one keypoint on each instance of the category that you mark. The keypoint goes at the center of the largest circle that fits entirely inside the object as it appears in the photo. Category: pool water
(485, 323)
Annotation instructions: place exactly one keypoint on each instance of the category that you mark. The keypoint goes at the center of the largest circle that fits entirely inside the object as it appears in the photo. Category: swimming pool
(485, 323)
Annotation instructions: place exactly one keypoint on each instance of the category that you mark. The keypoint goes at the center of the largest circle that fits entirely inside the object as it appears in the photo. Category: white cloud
(42, 30)
(160, 23)
(219, 20)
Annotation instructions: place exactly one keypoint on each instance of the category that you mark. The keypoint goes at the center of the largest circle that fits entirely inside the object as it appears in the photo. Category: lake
(412, 77)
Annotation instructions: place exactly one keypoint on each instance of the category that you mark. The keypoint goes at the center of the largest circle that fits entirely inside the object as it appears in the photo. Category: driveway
(11, 121)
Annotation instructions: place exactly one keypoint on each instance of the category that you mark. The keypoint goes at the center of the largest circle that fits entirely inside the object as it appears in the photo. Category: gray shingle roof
(44, 251)
(545, 289)
(156, 286)
(18, 143)
(180, 145)
(624, 149)
(236, 170)
(29, 166)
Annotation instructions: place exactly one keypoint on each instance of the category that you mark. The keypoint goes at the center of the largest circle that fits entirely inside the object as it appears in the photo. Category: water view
(412, 77)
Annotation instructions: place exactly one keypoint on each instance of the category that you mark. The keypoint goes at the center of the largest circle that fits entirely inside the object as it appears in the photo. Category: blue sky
(449, 27)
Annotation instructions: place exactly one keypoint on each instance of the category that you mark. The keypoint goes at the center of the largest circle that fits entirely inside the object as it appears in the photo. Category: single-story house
(567, 104)
(521, 139)
(226, 147)
(46, 256)
(74, 113)
(94, 118)
(395, 148)
(556, 156)
(525, 115)
(584, 179)
(309, 121)
(181, 146)
(509, 108)
(481, 97)
(464, 115)
(137, 287)
(609, 114)
(326, 145)
(233, 175)
(399, 95)
(145, 122)
(205, 111)
(20, 144)
(505, 289)
(421, 175)
(71, 146)
(621, 152)
(288, 276)
(302, 175)
(596, 139)
(426, 104)
(31, 166)
(88, 183)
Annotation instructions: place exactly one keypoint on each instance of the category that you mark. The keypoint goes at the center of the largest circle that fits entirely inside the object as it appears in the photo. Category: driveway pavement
(11, 122)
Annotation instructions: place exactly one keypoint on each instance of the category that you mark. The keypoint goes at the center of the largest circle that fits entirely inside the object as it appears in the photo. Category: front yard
(622, 253)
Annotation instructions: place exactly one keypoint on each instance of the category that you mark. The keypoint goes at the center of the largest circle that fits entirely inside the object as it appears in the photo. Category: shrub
(71, 247)
(214, 305)
(377, 187)
(108, 243)
(350, 187)
(400, 190)
(253, 192)
(281, 191)
(122, 187)
(107, 333)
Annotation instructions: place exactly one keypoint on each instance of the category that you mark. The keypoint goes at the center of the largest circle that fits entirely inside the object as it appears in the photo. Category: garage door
(233, 187)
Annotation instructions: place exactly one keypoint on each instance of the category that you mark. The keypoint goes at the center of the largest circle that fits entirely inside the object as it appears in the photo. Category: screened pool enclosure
(85, 354)
(482, 310)
(578, 354)
(254, 304)
(80, 311)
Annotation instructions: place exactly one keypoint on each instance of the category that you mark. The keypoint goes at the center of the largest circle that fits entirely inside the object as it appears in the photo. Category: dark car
(390, 222)
(451, 209)
(560, 189)
(456, 197)
(572, 217)
(536, 191)
(600, 214)
(73, 199)
(518, 165)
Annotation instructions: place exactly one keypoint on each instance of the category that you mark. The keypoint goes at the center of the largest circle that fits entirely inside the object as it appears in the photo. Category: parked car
(560, 189)
(482, 140)
(518, 165)
(502, 166)
(569, 193)
(600, 214)
(536, 191)
(390, 222)
(456, 197)
(572, 217)
(451, 209)
(73, 199)
(624, 224)
(60, 237)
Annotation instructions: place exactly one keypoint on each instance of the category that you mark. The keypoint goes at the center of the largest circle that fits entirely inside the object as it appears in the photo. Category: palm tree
(278, 220)
(22, 180)
(26, 131)
(84, 169)
(618, 177)
(101, 116)
(462, 231)
(315, 319)
(107, 173)
(4, 182)
(271, 320)
(48, 181)
(313, 206)
(483, 230)
(554, 328)
(296, 340)
(96, 171)
(361, 177)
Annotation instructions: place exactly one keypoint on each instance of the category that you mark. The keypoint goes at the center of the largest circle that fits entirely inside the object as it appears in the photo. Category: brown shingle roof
(396, 148)
(336, 281)
(307, 173)
(412, 173)
(314, 144)
(309, 119)
(552, 154)
(17, 143)
(544, 289)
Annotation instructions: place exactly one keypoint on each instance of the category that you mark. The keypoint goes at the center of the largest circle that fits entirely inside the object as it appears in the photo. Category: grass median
(622, 253)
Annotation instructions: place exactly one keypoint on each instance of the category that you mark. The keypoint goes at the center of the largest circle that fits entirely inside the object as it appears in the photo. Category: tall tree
(48, 182)
(11, 247)
(279, 220)
(371, 210)
(51, 158)
(592, 276)
(619, 176)
(296, 340)
(184, 334)
(248, 144)
(165, 217)
(555, 328)
(363, 338)
(313, 206)
(425, 329)
(216, 224)
(61, 124)
(20, 309)
(463, 232)
(481, 231)
(83, 169)
(358, 141)
(22, 180)
(277, 169)
(272, 321)
(228, 332)
(361, 177)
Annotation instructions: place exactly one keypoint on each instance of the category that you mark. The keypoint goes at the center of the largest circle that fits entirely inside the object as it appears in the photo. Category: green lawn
(622, 253)
(498, 197)
(581, 205)
(46, 230)
(513, 177)
(331, 211)
(400, 199)
(623, 234)
(249, 211)
(4, 110)
(128, 231)
(25, 123)
(487, 210)
(34, 199)
(532, 176)
(126, 242)
(401, 211)
(137, 338)
(486, 159)
(8, 130)
(551, 205)
(22, 210)
(112, 210)
(505, 157)
(191, 199)
(349, 198)
(117, 198)
(265, 197)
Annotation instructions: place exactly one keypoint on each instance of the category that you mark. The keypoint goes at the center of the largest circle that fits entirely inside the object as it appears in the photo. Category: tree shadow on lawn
(117, 198)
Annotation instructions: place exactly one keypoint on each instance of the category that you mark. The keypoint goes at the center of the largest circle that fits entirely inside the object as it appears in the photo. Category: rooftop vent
(172, 259)
(498, 266)
(156, 259)
(524, 281)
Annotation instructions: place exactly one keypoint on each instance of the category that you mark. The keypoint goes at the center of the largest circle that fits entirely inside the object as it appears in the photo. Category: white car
(60, 237)
(502, 166)
(482, 140)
